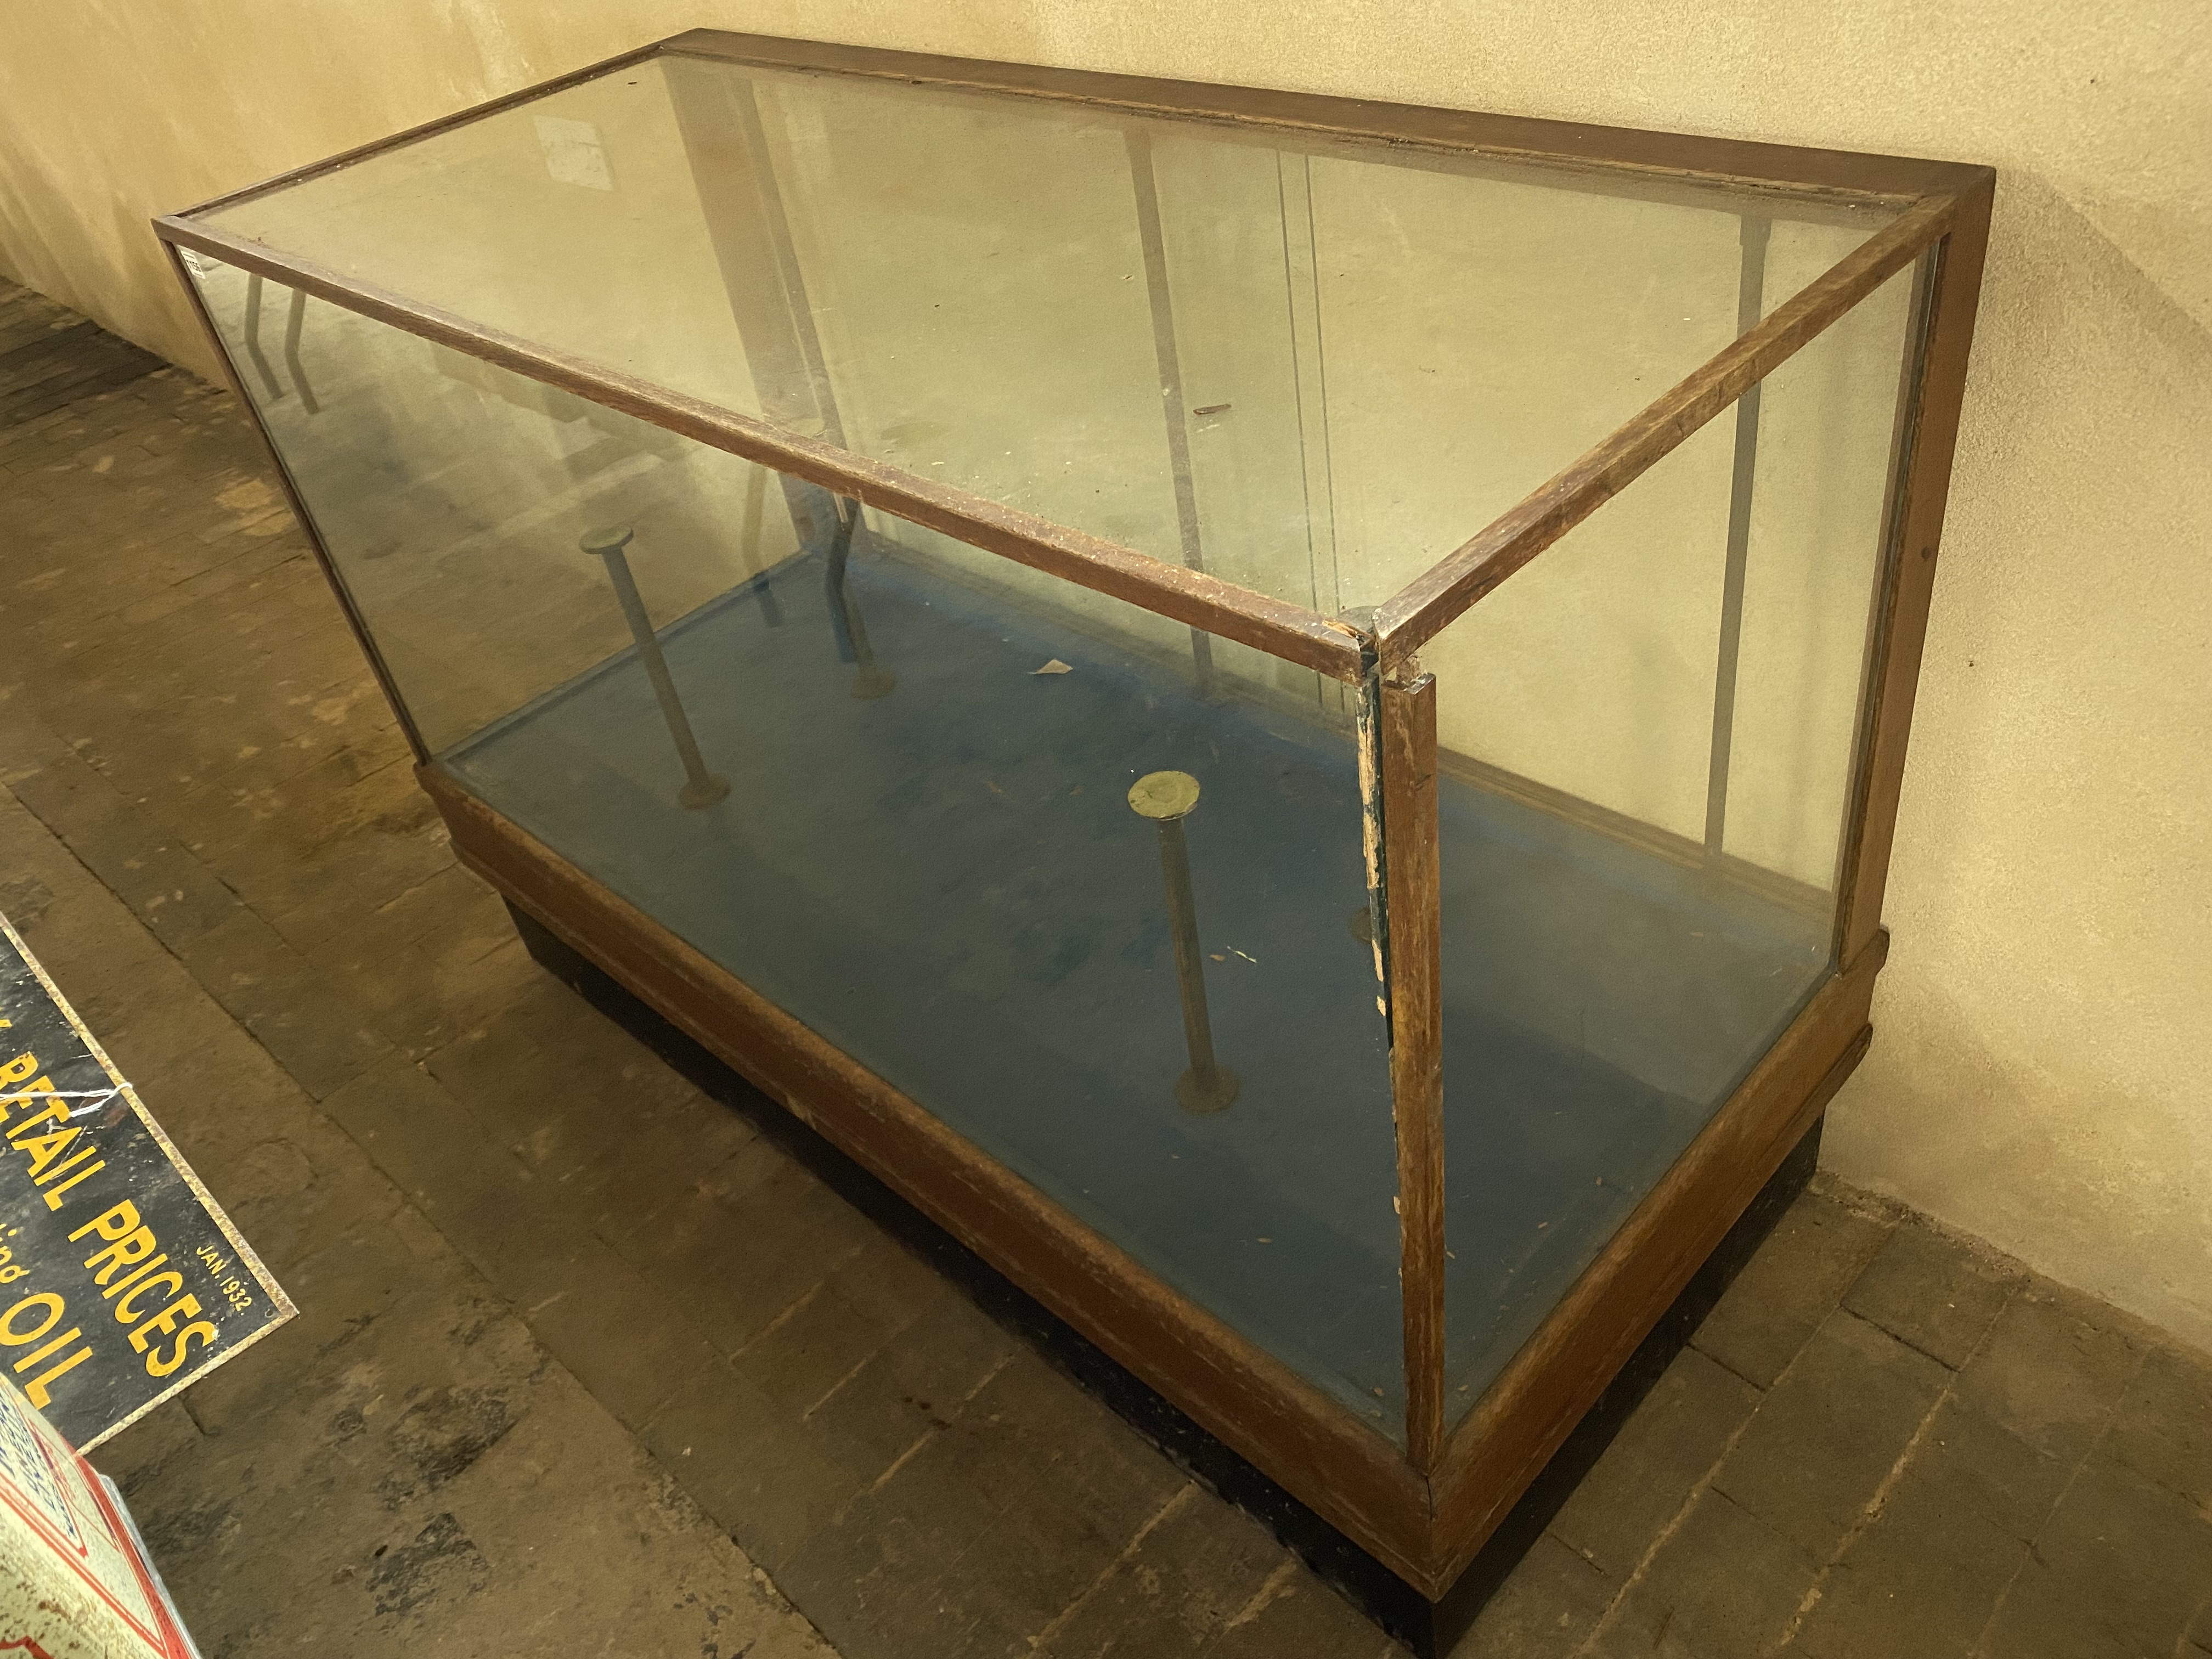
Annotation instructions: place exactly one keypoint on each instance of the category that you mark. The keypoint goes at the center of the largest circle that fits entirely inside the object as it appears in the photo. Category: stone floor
(588, 1363)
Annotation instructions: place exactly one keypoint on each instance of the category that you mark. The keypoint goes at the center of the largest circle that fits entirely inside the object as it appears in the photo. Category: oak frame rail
(1191, 597)
(1633, 161)
(1657, 156)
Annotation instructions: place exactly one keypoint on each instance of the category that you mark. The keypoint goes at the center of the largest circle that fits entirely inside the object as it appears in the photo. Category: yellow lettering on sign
(44, 1149)
(124, 1313)
(66, 1165)
(61, 1342)
(53, 1195)
(163, 1323)
(46, 1299)
(160, 1364)
(137, 1247)
(35, 1390)
(135, 1275)
(118, 1223)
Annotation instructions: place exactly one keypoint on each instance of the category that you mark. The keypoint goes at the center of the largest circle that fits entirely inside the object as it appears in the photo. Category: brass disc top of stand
(1164, 795)
(612, 539)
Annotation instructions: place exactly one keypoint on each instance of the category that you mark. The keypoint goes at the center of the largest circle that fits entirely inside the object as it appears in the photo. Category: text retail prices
(127, 1263)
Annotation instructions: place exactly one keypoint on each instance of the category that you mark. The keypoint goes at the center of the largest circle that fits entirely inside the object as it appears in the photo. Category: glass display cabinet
(1286, 712)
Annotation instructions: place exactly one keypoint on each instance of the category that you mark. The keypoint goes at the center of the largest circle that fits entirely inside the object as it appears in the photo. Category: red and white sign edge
(76, 1582)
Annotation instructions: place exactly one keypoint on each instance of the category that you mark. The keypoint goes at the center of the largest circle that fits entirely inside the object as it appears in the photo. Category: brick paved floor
(588, 1364)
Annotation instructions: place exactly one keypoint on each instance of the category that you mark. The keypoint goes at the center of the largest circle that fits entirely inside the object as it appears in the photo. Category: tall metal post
(845, 614)
(1167, 799)
(1140, 144)
(700, 787)
(293, 322)
(252, 332)
(1751, 288)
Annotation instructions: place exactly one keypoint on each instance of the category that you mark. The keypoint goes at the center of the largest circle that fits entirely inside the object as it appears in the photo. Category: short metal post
(702, 788)
(253, 280)
(1167, 799)
(763, 589)
(293, 319)
(852, 632)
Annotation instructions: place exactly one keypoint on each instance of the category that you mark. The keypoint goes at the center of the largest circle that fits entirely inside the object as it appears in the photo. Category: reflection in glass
(1309, 367)
(1646, 742)
(946, 810)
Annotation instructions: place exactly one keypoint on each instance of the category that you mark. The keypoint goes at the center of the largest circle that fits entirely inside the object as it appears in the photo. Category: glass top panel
(1310, 367)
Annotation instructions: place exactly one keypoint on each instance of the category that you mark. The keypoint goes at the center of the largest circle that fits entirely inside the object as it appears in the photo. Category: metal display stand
(1167, 799)
(700, 787)
(870, 682)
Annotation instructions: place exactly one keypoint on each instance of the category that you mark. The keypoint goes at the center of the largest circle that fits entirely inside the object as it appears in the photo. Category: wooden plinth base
(1429, 1628)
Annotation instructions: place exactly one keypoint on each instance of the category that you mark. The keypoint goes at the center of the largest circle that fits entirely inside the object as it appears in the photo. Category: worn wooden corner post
(1408, 754)
(1900, 625)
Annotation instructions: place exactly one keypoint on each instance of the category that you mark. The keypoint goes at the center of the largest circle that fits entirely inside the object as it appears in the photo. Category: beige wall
(2041, 1077)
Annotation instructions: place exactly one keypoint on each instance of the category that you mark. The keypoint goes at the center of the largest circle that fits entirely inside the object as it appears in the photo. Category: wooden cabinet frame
(1424, 1510)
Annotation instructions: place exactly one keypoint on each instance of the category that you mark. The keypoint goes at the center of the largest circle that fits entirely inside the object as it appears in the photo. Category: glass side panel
(1312, 368)
(885, 781)
(1646, 743)
(432, 476)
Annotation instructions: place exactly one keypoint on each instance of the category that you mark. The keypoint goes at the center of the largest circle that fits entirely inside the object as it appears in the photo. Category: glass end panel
(1086, 886)
(1647, 742)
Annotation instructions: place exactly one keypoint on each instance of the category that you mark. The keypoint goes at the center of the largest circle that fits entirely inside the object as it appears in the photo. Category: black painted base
(1429, 1629)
